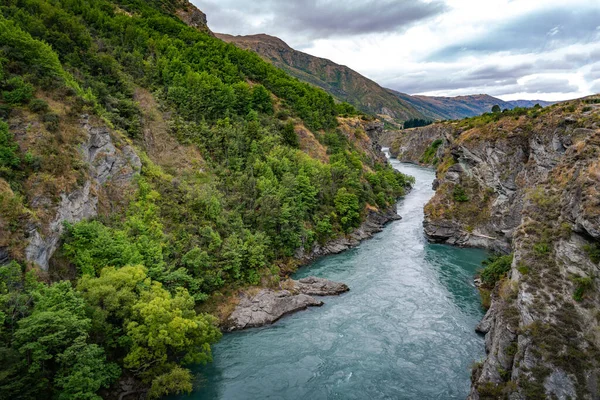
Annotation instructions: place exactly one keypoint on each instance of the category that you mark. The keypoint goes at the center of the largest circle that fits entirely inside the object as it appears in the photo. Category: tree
(53, 344)
(346, 204)
(261, 100)
(496, 109)
(162, 330)
(289, 135)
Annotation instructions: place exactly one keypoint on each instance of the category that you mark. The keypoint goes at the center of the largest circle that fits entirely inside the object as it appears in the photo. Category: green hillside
(147, 170)
(340, 81)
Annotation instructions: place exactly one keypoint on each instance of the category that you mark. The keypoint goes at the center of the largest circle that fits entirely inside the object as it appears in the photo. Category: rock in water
(268, 305)
(320, 287)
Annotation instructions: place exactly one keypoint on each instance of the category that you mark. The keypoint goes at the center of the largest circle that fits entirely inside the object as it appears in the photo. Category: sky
(511, 49)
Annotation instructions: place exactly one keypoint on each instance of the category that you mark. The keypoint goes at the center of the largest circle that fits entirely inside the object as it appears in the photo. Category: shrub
(582, 285)
(52, 121)
(593, 252)
(495, 268)
(19, 91)
(8, 148)
(428, 156)
(38, 106)
(459, 195)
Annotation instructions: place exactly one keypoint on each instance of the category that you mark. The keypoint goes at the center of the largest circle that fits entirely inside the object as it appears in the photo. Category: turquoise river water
(404, 331)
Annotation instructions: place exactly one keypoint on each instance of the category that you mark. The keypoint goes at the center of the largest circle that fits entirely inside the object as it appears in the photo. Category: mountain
(341, 82)
(529, 103)
(347, 85)
(150, 175)
(524, 183)
(447, 108)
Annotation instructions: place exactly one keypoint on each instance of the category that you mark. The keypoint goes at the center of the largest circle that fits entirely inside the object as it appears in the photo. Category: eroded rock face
(106, 164)
(267, 306)
(192, 16)
(411, 144)
(531, 186)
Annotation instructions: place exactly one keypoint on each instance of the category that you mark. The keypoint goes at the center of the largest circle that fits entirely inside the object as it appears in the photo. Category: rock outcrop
(106, 163)
(411, 145)
(191, 15)
(268, 306)
(530, 184)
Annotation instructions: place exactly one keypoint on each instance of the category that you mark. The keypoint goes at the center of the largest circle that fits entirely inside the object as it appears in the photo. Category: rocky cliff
(528, 183)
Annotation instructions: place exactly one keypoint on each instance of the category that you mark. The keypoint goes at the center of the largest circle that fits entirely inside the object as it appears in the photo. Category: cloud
(541, 30)
(317, 19)
(536, 49)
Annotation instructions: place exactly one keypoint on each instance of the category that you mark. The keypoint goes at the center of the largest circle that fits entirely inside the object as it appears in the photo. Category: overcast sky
(512, 49)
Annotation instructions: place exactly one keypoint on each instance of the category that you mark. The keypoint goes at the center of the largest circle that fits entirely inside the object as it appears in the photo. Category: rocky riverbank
(529, 184)
(268, 305)
(263, 306)
(374, 223)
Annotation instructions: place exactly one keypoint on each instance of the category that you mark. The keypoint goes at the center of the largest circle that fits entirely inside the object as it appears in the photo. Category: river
(404, 331)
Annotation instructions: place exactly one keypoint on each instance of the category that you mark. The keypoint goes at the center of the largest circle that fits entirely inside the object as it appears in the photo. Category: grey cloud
(594, 72)
(596, 86)
(536, 32)
(493, 72)
(319, 18)
(486, 79)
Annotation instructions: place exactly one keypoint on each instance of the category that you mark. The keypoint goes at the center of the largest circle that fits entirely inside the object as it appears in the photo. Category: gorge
(404, 330)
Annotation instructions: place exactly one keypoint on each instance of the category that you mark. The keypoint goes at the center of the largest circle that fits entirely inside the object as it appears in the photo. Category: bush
(582, 285)
(496, 268)
(52, 121)
(429, 156)
(8, 148)
(38, 106)
(18, 91)
(459, 195)
(593, 252)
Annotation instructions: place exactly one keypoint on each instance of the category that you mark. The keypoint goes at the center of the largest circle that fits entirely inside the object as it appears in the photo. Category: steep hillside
(338, 80)
(349, 86)
(526, 183)
(148, 172)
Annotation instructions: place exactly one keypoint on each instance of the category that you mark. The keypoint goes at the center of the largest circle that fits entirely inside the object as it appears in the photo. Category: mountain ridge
(340, 81)
(367, 95)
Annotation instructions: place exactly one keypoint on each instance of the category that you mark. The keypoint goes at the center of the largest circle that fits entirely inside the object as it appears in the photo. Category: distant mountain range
(348, 85)
(443, 108)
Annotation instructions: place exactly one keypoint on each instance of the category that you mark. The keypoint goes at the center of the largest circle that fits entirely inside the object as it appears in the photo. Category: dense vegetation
(417, 122)
(131, 282)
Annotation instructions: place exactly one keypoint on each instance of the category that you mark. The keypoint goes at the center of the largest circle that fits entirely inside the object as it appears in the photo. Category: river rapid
(404, 331)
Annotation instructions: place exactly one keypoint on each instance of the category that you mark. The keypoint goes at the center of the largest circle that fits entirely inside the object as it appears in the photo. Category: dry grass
(162, 148)
(310, 145)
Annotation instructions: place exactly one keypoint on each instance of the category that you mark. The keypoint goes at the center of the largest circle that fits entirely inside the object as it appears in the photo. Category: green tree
(8, 148)
(496, 109)
(162, 329)
(53, 343)
(348, 209)
(261, 100)
(290, 137)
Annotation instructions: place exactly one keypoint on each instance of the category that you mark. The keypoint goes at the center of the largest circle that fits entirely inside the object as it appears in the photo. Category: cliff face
(191, 15)
(424, 146)
(530, 185)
